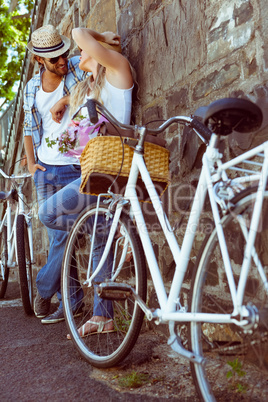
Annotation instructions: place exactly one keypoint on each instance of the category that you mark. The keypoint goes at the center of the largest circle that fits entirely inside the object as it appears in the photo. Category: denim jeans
(48, 183)
(59, 212)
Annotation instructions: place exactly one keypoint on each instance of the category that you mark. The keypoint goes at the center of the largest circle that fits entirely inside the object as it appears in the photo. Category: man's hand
(58, 110)
(34, 167)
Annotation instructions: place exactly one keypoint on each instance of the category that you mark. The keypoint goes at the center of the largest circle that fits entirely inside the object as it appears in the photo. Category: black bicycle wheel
(236, 358)
(25, 265)
(127, 263)
(4, 270)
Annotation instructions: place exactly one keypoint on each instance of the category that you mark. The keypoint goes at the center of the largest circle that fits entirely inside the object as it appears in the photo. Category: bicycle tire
(25, 265)
(236, 360)
(104, 350)
(4, 273)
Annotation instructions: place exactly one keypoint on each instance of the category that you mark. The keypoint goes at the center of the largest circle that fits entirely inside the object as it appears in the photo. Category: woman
(111, 82)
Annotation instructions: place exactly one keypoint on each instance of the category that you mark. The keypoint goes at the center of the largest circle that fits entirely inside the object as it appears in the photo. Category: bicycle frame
(209, 175)
(11, 228)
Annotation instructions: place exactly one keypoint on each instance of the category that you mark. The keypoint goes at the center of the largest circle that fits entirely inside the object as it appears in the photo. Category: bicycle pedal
(114, 291)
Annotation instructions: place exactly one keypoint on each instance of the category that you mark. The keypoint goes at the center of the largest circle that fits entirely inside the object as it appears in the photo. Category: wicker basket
(101, 161)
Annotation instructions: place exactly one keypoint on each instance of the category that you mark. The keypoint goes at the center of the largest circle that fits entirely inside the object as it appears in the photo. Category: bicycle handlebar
(24, 176)
(201, 130)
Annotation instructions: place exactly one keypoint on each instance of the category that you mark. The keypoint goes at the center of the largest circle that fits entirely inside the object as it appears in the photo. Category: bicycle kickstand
(175, 343)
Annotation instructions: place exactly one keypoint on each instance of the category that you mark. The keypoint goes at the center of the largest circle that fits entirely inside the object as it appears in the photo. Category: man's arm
(32, 165)
(58, 110)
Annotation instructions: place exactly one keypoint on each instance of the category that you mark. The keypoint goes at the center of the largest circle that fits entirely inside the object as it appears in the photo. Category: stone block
(252, 286)
(220, 333)
(173, 148)
(153, 113)
(243, 13)
(67, 26)
(232, 29)
(130, 19)
(181, 196)
(168, 268)
(150, 6)
(40, 259)
(177, 102)
(166, 56)
(190, 144)
(59, 9)
(84, 8)
(102, 17)
(38, 238)
(151, 219)
(264, 31)
(218, 79)
(124, 3)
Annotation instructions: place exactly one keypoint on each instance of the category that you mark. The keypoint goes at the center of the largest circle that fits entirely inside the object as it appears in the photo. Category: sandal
(99, 324)
(100, 328)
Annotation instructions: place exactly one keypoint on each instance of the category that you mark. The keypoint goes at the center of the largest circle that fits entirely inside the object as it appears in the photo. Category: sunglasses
(54, 60)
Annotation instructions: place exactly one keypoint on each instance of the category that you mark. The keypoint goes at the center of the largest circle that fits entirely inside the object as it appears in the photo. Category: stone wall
(186, 54)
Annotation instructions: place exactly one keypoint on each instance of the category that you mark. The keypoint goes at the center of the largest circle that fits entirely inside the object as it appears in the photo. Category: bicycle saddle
(226, 115)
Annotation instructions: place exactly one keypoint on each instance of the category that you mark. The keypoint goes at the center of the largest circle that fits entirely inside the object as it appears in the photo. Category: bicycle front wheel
(236, 359)
(4, 270)
(25, 265)
(123, 269)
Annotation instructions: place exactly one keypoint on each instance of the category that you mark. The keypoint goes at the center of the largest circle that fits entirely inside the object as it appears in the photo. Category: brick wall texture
(186, 54)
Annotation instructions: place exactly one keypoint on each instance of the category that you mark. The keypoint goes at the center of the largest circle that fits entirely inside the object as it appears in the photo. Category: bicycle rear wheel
(4, 270)
(25, 265)
(126, 261)
(236, 359)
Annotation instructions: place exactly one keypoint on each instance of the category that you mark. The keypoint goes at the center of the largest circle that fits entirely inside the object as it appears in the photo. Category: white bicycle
(227, 309)
(16, 239)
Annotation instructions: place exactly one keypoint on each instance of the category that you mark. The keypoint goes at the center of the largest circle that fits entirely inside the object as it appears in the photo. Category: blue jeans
(60, 212)
(48, 183)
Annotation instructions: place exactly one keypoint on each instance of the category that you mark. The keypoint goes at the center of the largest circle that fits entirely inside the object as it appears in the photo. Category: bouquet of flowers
(73, 140)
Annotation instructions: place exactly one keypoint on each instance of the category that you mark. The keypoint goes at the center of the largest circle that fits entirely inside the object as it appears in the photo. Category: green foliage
(14, 33)
(133, 380)
(234, 374)
(51, 143)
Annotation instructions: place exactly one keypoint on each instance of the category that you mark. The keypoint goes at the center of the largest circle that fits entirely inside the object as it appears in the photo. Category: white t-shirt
(51, 129)
(117, 101)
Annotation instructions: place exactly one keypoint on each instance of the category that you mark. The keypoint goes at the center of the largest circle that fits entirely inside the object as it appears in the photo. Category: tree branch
(17, 17)
(13, 5)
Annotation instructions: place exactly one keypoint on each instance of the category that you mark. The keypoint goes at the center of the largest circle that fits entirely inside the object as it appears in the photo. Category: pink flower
(79, 132)
(74, 123)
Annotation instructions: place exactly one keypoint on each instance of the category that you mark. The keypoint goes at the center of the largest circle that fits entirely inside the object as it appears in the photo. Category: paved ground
(37, 363)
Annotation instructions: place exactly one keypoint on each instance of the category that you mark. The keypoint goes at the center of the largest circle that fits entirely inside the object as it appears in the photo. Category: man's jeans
(47, 183)
(61, 211)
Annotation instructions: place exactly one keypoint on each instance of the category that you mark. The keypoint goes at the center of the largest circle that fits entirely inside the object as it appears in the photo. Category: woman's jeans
(59, 212)
(48, 183)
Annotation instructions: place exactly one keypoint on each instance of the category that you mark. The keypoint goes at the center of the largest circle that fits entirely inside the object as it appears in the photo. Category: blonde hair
(85, 88)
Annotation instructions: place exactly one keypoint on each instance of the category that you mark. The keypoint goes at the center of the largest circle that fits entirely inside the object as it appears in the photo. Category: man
(46, 100)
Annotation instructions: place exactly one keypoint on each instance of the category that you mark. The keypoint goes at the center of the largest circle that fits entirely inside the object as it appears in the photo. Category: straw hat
(47, 42)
